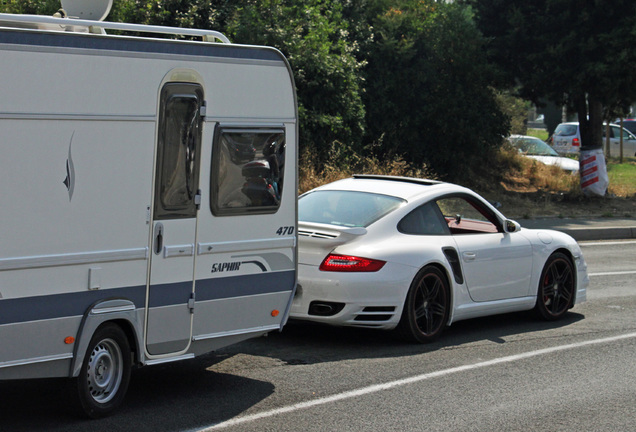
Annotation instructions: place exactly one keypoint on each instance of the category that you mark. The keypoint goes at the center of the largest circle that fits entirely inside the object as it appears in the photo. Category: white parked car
(538, 150)
(567, 139)
(417, 255)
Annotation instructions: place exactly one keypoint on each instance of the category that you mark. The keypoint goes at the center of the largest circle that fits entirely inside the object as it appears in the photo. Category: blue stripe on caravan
(140, 45)
(239, 286)
(63, 305)
(169, 294)
(76, 303)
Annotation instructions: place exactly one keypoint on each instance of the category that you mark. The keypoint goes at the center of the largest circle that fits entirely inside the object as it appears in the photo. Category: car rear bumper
(352, 299)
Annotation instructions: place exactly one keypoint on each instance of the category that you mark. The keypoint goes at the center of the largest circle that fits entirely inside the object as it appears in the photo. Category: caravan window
(247, 171)
(179, 144)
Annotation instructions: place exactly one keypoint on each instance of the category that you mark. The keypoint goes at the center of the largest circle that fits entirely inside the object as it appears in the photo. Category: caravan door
(176, 200)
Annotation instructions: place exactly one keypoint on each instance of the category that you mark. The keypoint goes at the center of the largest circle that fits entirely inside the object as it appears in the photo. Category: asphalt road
(505, 373)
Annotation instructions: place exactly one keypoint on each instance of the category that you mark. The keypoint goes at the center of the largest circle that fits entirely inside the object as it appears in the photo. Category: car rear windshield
(345, 208)
(565, 130)
(533, 147)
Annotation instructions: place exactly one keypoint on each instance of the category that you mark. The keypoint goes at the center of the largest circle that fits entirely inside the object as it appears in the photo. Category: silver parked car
(567, 139)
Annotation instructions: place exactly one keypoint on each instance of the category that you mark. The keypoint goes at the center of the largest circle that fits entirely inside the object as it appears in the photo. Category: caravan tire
(105, 373)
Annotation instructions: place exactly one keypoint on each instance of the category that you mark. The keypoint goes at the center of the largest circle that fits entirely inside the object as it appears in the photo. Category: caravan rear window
(247, 171)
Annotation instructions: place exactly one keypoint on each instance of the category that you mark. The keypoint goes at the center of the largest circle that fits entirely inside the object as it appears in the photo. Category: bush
(428, 95)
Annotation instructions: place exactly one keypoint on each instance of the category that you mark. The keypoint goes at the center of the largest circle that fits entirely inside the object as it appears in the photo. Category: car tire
(426, 308)
(105, 373)
(555, 295)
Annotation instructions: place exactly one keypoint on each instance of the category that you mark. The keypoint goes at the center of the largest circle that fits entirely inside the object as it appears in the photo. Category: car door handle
(469, 256)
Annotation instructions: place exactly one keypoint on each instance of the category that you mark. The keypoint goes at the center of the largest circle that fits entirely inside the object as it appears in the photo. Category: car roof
(577, 123)
(515, 136)
(406, 188)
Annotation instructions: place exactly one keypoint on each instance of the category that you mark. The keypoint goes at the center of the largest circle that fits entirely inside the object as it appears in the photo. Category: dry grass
(524, 187)
(340, 166)
(531, 189)
(527, 175)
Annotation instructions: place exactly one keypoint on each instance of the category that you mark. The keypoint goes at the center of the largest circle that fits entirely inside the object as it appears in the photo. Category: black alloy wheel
(556, 287)
(426, 308)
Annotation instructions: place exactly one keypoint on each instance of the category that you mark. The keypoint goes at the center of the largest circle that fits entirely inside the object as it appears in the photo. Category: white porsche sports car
(417, 255)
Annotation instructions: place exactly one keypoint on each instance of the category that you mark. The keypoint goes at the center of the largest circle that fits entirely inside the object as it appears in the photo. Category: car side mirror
(511, 226)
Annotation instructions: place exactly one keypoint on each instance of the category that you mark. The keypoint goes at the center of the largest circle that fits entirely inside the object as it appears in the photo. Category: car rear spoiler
(335, 234)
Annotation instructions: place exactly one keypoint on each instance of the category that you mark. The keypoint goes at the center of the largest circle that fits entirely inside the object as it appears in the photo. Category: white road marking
(406, 381)
(613, 273)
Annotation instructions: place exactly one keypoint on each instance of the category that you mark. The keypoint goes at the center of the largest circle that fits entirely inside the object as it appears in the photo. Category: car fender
(409, 251)
(544, 244)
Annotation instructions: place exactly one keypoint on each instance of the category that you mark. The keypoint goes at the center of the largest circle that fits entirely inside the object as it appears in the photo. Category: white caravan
(149, 199)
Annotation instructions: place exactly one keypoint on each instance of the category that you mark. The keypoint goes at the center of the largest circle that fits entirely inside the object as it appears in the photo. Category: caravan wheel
(105, 373)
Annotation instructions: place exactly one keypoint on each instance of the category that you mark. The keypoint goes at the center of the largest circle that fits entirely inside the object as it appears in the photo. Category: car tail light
(575, 142)
(345, 263)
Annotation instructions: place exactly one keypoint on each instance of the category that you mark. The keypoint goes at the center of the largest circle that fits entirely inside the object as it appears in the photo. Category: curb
(587, 229)
(605, 233)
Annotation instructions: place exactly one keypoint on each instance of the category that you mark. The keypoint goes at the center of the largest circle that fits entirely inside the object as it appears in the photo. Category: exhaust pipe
(320, 308)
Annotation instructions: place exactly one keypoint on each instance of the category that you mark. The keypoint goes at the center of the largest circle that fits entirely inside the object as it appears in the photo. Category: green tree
(313, 36)
(516, 109)
(574, 52)
(428, 94)
(203, 14)
(35, 7)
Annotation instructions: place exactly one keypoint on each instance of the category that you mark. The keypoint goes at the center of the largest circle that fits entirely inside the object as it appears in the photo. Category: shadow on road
(307, 343)
(186, 395)
(170, 397)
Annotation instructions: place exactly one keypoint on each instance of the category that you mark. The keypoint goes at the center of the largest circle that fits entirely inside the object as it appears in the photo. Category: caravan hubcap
(104, 372)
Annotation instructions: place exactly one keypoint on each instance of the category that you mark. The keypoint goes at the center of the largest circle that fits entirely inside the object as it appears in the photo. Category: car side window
(616, 133)
(627, 135)
(467, 215)
(424, 220)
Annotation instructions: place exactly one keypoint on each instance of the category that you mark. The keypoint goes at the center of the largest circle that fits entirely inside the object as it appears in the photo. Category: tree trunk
(593, 171)
(606, 145)
(590, 112)
(622, 134)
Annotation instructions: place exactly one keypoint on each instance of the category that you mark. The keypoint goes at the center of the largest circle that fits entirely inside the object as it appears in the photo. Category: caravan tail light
(345, 263)
(575, 142)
